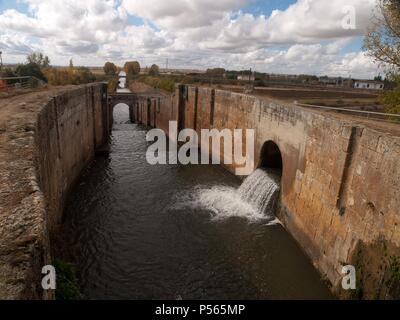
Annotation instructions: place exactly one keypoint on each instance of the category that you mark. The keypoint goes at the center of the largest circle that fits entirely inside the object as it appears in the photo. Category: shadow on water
(135, 239)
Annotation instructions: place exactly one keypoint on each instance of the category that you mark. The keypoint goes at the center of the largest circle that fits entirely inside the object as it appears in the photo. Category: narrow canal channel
(138, 233)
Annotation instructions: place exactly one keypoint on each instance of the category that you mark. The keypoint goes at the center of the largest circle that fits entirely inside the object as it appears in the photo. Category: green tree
(216, 71)
(30, 69)
(132, 68)
(110, 69)
(382, 43)
(154, 70)
(39, 59)
(391, 99)
(71, 64)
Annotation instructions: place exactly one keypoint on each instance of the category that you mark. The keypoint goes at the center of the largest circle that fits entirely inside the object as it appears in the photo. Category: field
(342, 98)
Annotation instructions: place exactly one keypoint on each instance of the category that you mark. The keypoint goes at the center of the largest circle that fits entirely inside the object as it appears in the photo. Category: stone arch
(114, 101)
(123, 105)
(271, 157)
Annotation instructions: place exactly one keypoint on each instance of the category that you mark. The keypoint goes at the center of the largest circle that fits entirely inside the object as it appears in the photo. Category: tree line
(131, 68)
(38, 65)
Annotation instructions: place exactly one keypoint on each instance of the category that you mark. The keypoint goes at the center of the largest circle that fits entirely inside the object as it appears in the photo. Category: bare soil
(140, 87)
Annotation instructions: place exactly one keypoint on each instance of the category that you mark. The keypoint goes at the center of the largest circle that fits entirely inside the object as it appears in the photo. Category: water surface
(139, 238)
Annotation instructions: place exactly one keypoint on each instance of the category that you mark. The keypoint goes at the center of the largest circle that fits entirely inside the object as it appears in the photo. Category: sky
(322, 37)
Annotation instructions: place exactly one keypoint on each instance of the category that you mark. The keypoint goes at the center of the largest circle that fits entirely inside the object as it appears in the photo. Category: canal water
(176, 232)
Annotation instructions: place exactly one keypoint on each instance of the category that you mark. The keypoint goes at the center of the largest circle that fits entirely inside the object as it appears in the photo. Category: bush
(30, 69)
(67, 282)
(112, 85)
(160, 83)
(391, 99)
(65, 76)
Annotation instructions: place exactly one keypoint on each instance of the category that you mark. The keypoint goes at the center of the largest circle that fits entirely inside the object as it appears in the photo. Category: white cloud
(306, 21)
(307, 37)
(178, 14)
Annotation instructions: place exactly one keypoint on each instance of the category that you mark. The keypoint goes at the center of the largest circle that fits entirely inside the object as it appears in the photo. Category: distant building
(181, 71)
(246, 77)
(369, 84)
(331, 81)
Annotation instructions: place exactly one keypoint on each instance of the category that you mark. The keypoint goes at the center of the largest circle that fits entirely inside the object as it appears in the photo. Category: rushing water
(179, 232)
(254, 200)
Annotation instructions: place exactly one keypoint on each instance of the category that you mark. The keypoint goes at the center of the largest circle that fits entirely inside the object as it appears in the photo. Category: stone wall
(54, 136)
(69, 130)
(340, 179)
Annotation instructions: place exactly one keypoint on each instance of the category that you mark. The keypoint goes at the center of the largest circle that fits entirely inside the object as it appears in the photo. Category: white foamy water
(261, 190)
(254, 200)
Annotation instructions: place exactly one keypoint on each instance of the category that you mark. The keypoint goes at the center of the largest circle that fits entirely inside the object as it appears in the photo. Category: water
(261, 189)
(137, 231)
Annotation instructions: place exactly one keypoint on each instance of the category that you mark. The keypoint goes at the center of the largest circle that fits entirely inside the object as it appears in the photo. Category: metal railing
(388, 117)
(9, 84)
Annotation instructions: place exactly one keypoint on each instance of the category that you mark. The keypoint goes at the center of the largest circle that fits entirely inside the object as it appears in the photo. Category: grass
(342, 103)
(67, 282)
(393, 283)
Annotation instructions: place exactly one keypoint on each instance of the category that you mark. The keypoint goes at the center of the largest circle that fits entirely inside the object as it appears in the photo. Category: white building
(369, 84)
(246, 77)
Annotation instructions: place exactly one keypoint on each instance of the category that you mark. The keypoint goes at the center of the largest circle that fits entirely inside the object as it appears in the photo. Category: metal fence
(380, 116)
(9, 84)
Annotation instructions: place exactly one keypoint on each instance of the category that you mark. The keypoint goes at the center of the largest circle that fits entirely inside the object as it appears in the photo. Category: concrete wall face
(70, 129)
(339, 180)
(66, 130)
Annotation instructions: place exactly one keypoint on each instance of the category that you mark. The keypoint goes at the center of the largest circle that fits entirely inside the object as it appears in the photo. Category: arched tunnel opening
(271, 158)
(121, 114)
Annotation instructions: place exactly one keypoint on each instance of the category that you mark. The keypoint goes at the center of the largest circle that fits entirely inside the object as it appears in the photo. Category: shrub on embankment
(162, 83)
(67, 281)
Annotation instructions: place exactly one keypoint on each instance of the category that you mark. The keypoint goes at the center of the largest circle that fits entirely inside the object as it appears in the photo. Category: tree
(216, 71)
(65, 76)
(391, 99)
(110, 69)
(71, 64)
(39, 59)
(154, 70)
(30, 69)
(382, 43)
(132, 68)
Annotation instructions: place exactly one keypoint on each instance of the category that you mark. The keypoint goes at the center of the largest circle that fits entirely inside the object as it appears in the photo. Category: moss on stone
(67, 281)
(378, 271)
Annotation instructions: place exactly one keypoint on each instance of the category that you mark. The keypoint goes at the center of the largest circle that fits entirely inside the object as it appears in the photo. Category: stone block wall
(340, 179)
(49, 139)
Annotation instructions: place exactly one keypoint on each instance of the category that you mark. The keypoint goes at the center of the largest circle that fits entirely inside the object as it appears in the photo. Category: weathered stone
(39, 164)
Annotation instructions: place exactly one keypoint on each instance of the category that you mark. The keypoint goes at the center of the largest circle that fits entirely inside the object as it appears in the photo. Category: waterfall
(261, 189)
(254, 200)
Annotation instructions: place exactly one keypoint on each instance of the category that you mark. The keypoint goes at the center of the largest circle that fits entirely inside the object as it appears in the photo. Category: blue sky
(266, 7)
(17, 5)
(255, 7)
(192, 33)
